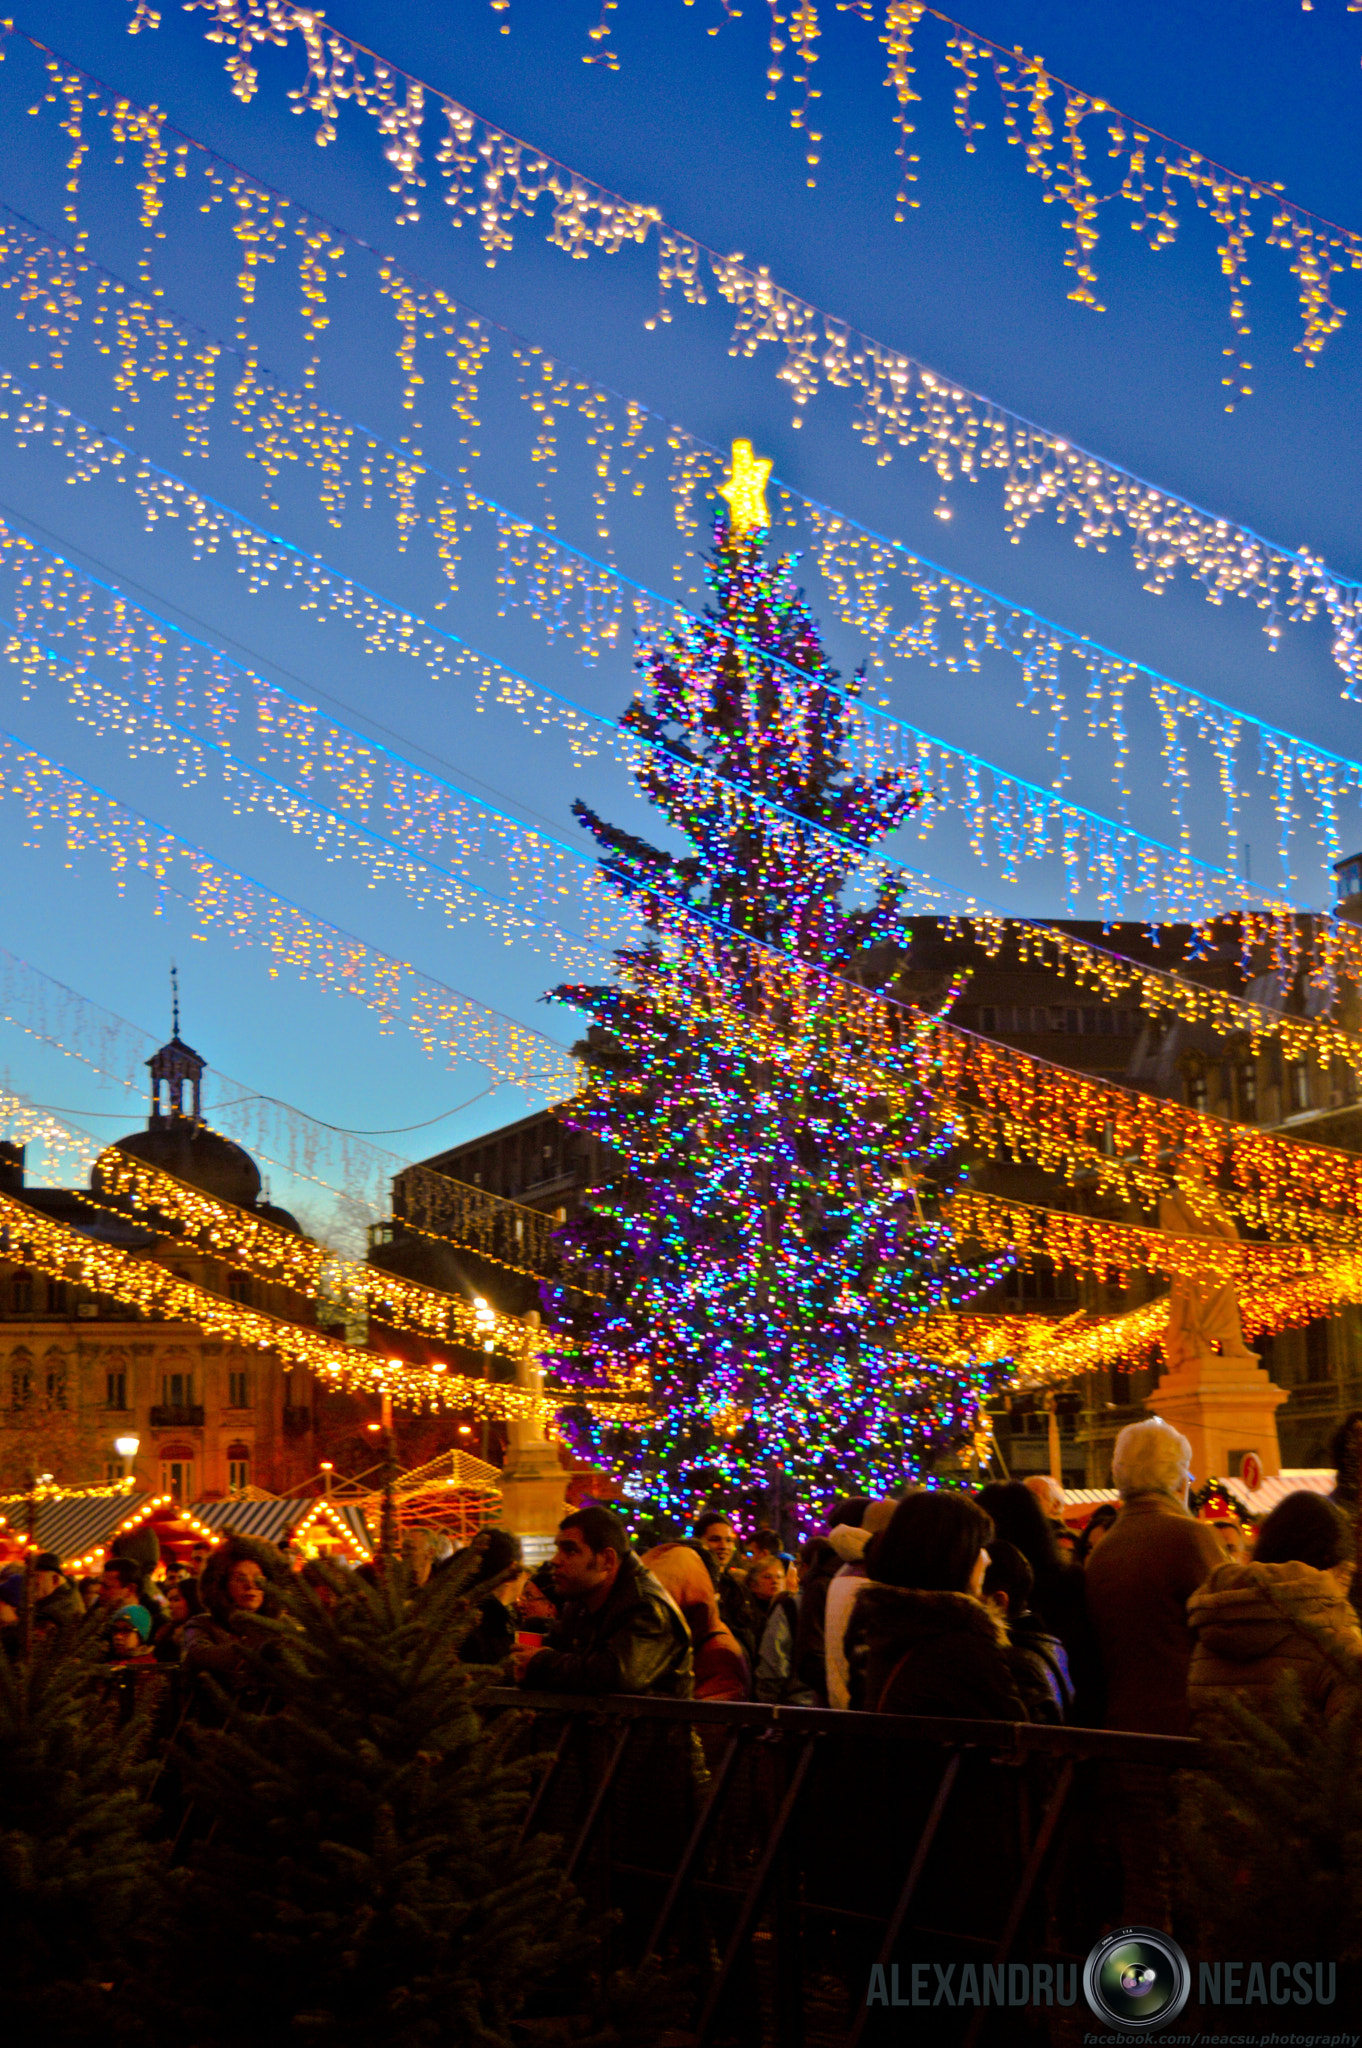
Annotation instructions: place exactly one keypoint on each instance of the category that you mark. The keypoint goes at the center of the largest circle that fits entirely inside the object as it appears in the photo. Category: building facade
(79, 1371)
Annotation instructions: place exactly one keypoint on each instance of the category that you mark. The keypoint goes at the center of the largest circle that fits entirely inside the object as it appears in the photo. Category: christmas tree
(781, 1267)
(81, 1882)
(358, 1875)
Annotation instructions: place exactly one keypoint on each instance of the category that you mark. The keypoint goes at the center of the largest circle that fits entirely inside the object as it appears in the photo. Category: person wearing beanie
(56, 1603)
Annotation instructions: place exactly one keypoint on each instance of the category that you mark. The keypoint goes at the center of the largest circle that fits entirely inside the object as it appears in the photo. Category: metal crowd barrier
(811, 1847)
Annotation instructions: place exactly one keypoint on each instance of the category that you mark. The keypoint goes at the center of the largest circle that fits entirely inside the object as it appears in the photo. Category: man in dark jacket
(56, 1603)
(620, 1632)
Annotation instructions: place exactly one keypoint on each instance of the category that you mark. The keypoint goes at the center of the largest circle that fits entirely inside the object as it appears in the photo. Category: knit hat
(47, 1561)
(133, 1617)
(851, 1544)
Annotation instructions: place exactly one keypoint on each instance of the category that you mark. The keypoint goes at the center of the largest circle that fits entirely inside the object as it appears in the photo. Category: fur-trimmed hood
(942, 1654)
(905, 1615)
(215, 1574)
(1246, 1611)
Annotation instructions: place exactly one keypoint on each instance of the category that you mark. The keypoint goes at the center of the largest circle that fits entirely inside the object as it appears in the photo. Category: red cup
(529, 1639)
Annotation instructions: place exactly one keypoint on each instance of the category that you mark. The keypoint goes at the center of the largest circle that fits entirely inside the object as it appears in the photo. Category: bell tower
(170, 1069)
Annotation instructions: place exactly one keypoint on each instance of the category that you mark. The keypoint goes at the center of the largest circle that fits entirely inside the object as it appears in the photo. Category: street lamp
(485, 1317)
(127, 1448)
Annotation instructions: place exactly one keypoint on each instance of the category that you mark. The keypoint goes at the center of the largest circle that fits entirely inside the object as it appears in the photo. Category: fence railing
(776, 1858)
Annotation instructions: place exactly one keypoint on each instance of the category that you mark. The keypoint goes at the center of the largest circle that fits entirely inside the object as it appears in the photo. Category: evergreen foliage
(779, 1265)
(358, 1878)
(1272, 1833)
(81, 1885)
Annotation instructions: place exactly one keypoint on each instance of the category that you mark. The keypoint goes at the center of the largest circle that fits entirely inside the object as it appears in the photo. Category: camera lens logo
(1137, 1978)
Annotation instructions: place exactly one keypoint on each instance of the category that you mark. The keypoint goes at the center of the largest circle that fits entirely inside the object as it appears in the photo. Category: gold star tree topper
(744, 487)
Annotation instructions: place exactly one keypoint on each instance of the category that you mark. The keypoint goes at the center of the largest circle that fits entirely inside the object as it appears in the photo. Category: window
(56, 1297)
(988, 1021)
(115, 1390)
(177, 1390)
(1248, 1091)
(1300, 1086)
(113, 1471)
(20, 1386)
(239, 1287)
(177, 1472)
(1196, 1089)
(56, 1388)
(1316, 1353)
(238, 1467)
(238, 1394)
(21, 1294)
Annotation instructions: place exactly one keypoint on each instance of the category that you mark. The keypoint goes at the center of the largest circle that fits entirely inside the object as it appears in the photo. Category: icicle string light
(1114, 1252)
(1125, 871)
(950, 622)
(1001, 1096)
(449, 1026)
(252, 1244)
(1145, 161)
(1057, 1119)
(382, 788)
(1044, 1357)
(492, 177)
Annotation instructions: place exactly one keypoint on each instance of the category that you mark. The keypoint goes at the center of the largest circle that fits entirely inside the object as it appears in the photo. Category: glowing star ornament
(744, 488)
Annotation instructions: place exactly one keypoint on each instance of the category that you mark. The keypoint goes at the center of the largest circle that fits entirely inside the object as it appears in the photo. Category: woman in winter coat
(237, 1584)
(1285, 1616)
(920, 1639)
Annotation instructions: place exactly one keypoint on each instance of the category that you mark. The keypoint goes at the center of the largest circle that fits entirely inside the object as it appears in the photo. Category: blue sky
(973, 283)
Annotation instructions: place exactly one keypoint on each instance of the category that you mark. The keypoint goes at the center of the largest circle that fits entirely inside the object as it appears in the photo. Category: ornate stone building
(85, 1370)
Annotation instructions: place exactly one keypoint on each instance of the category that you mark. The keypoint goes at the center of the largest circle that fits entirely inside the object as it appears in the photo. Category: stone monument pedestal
(533, 1491)
(533, 1483)
(1224, 1407)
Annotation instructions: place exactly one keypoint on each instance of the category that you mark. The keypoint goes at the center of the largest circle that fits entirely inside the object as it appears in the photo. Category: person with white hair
(1138, 1583)
(1140, 1580)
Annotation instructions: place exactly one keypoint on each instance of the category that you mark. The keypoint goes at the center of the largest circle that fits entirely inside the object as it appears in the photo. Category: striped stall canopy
(85, 1521)
(1258, 1502)
(275, 1521)
(270, 1520)
(75, 1526)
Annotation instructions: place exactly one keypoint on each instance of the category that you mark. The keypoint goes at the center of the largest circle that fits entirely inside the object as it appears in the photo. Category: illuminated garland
(573, 594)
(30, 1238)
(998, 1095)
(492, 177)
(1127, 872)
(203, 683)
(444, 1021)
(1112, 1251)
(1056, 147)
(254, 1245)
(1125, 1341)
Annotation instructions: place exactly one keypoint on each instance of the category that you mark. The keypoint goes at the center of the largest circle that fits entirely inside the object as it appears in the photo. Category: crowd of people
(979, 1606)
(940, 1603)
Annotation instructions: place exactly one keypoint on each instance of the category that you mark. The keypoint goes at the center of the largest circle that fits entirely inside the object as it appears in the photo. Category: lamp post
(127, 1448)
(485, 1317)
